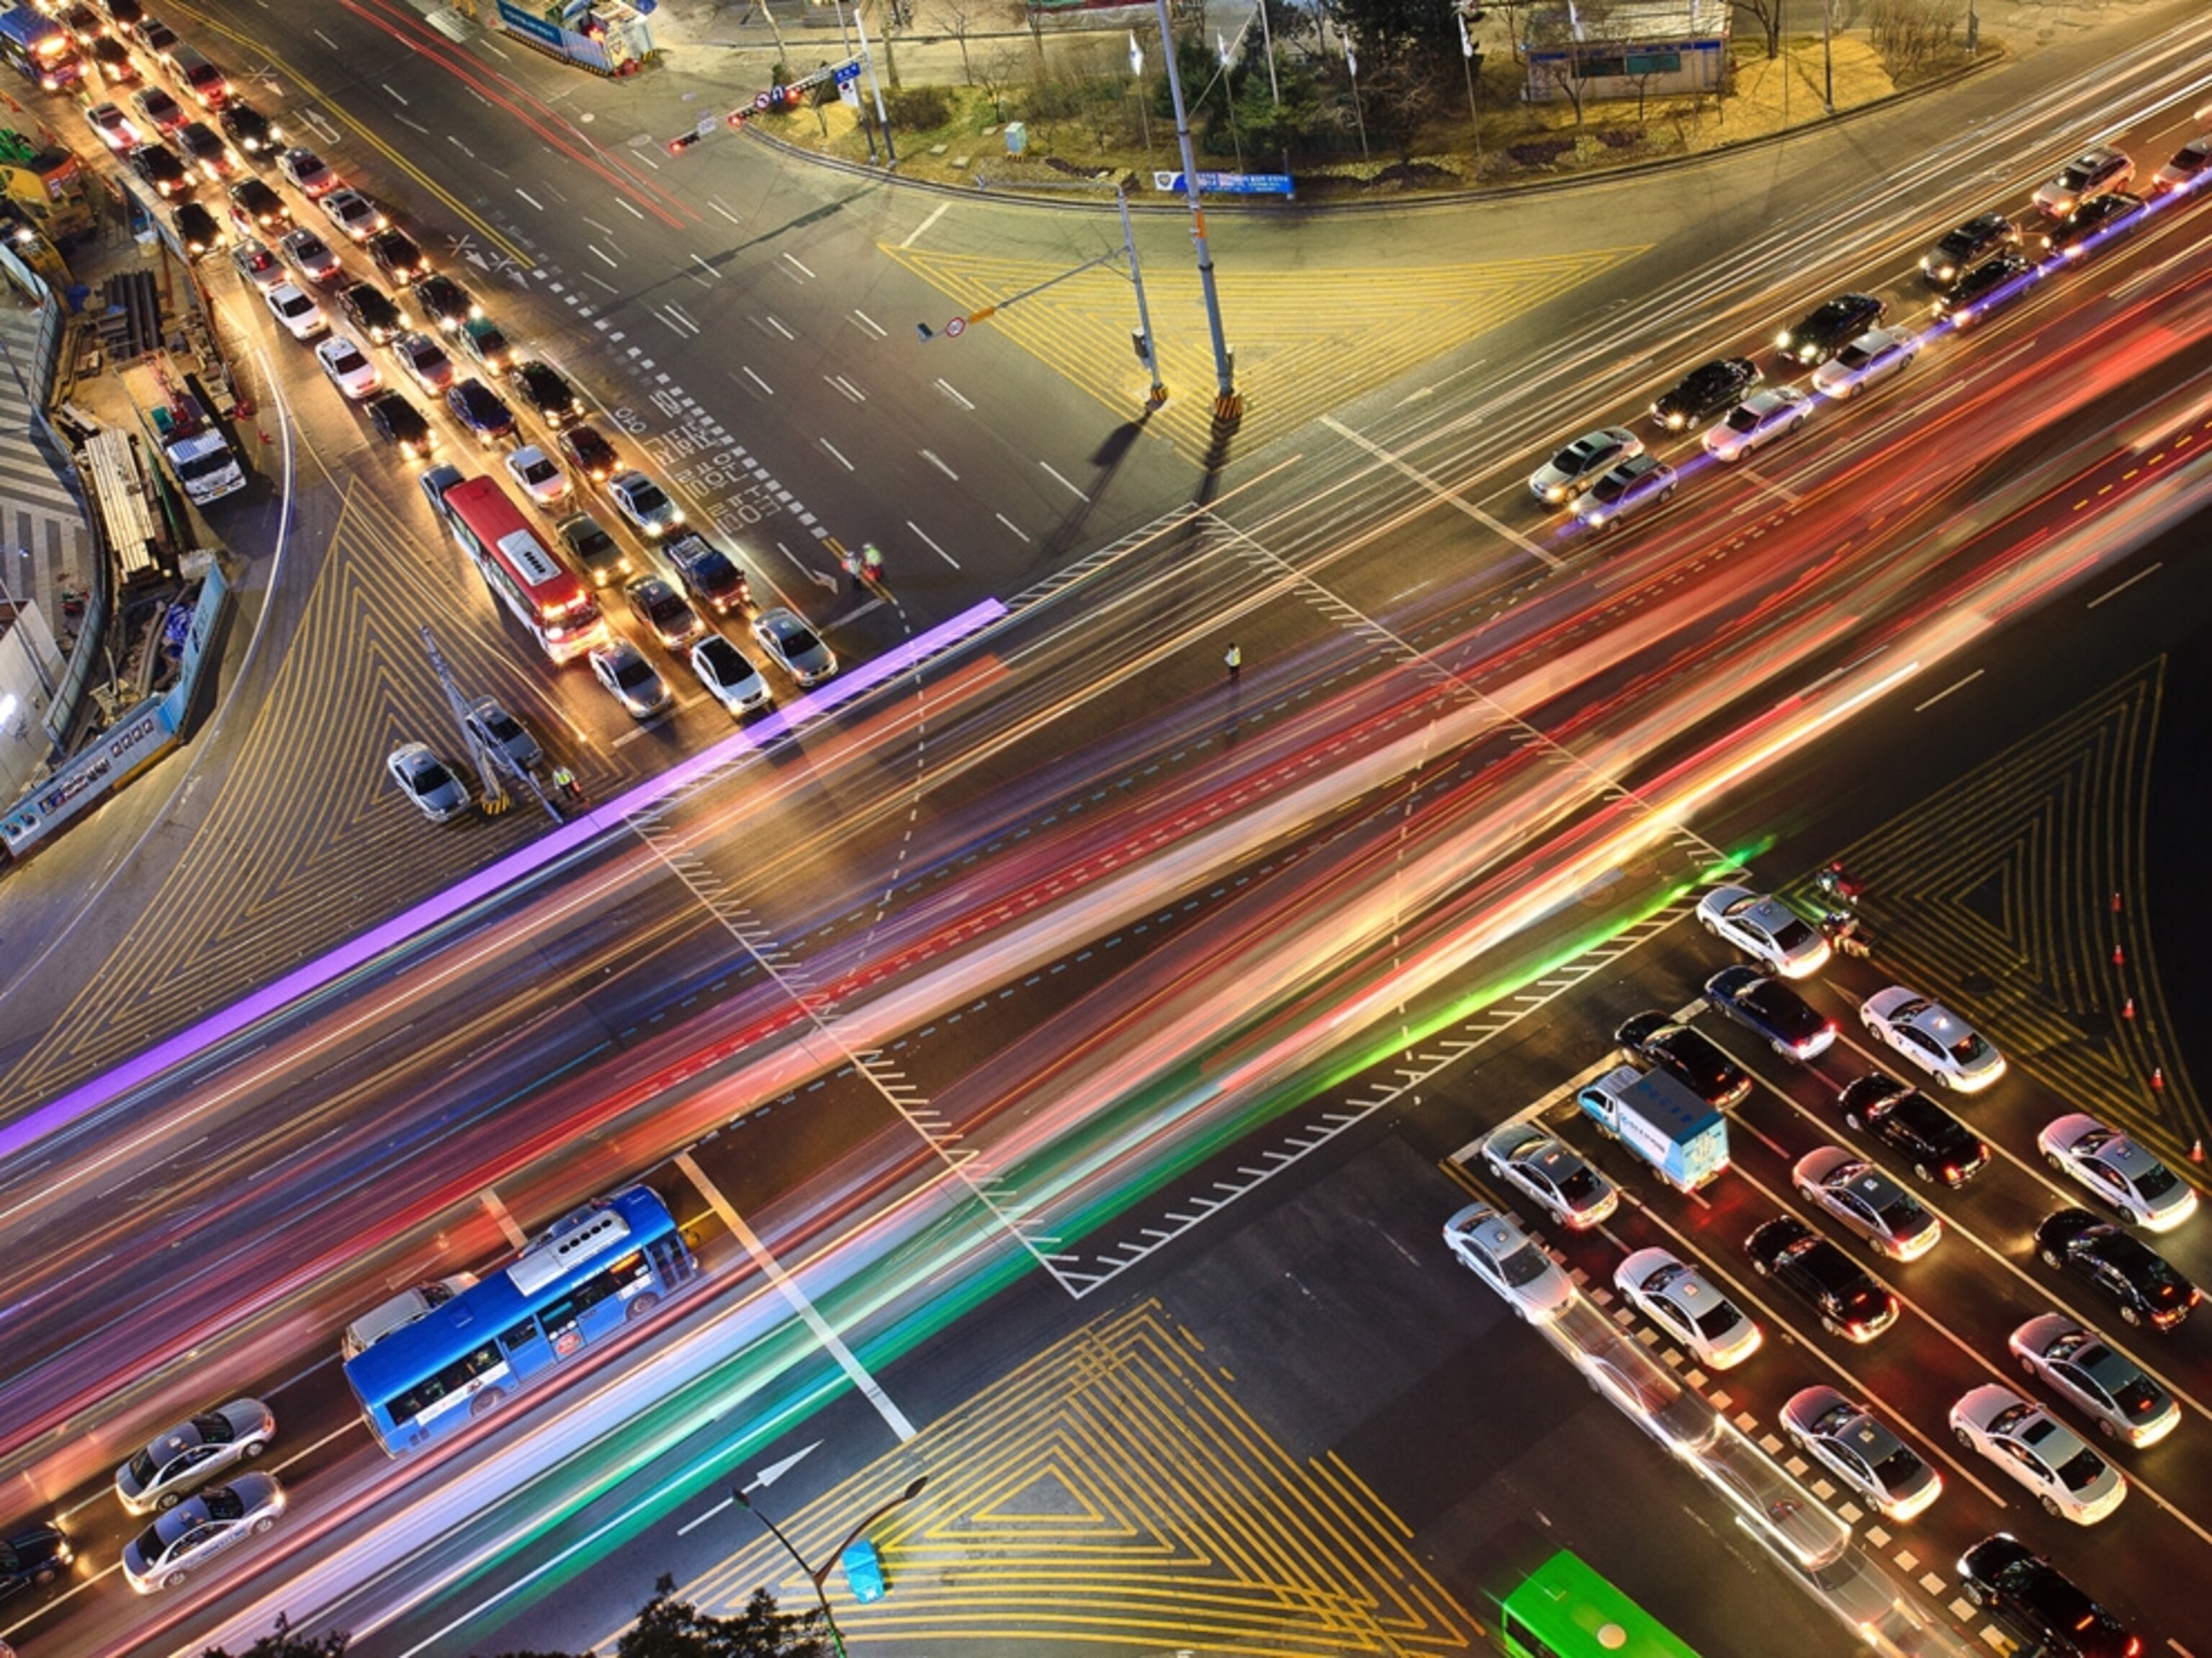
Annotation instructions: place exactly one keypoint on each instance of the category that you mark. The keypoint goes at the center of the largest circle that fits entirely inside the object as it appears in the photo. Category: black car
(1846, 1295)
(370, 309)
(156, 163)
(1833, 326)
(1690, 1057)
(1939, 1146)
(445, 302)
(395, 253)
(250, 130)
(202, 147)
(196, 229)
(2041, 1603)
(400, 423)
(599, 554)
(2101, 218)
(257, 209)
(1964, 249)
(36, 1554)
(117, 68)
(2125, 1269)
(587, 449)
(481, 410)
(547, 390)
(1975, 294)
(1773, 1011)
(1721, 384)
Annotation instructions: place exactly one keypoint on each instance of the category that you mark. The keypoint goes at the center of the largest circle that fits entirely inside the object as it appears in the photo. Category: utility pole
(1227, 405)
(1827, 56)
(860, 22)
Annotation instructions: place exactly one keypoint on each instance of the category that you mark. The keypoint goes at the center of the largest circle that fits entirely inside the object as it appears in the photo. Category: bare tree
(996, 73)
(960, 17)
(1768, 14)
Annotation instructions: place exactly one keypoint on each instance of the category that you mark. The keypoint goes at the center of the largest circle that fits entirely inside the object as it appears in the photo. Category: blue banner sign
(514, 17)
(1230, 184)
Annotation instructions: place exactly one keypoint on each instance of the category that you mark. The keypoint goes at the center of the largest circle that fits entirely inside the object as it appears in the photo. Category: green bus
(1564, 1610)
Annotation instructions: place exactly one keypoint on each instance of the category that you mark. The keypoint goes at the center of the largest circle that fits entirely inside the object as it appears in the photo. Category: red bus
(541, 591)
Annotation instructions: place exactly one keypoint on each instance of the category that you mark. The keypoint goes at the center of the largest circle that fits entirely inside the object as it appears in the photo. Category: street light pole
(1227, 405)
(815, 1574)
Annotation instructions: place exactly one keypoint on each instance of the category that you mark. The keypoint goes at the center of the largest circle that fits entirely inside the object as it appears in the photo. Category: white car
(1891, 1219)
(539, 476)
(192, 1453)
(644, 502)
(353, 213)
(2078, 1363)
(1871, 359)
(309, 172)
(349, 370)
(1561, 1184)
(2050, 1458)
(423, 777)
(1640, 481)
(631, 680)
(794, 647)
(258, 265)
(1764, 928)
(200, 1529)
(2085, 175)
(1511, 1262)
(1853, 1444)
(425, 361)
(733, 682)
(1680, 1301)
(2118, 1170)
(1933, 1038)
(1758, 421)
(302, 318)
(500, 733)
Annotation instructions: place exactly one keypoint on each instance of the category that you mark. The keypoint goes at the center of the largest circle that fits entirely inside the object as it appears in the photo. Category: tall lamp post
(814, 1575)
(1227, 405)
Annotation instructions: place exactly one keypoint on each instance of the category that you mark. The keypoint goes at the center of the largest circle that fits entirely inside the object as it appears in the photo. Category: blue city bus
(581, 1279)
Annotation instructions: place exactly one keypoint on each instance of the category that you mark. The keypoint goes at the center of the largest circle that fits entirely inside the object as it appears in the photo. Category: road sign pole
(860, 22)
(1227, 405)
(1159, 391)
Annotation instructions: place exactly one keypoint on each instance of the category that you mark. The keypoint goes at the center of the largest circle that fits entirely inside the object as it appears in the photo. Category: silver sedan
(1565, 1187)
(1861, 1196)
(180, 1459)
(1511, 1262)
(794, 647)
(1577, 466)
(2119, 1170)
(201, 1530)
(1853, 1444)
(2081, 1366)
(423, 777)
(1871, 359)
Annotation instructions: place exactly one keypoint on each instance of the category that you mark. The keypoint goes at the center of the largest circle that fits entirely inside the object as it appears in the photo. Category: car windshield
(298, 305)
(204, 465)
(224, 1504)
(538, 470)
(647, 497)
(720, 656)
(142, 1469)
(348, 363)
(664, 607)
(431, 775)
(713, 569)
(1893, 1470)
(2077, 175)
(591, 543)
(500, 727)
(1744, 419)
(633, 673)
(1854, 356)
(799, 641)
(148, 1543)
(1613, 485)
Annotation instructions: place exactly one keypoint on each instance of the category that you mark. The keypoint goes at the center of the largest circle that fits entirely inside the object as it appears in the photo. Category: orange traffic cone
(2158, 1077)
(2119, 956)
(2128, 1008)
(2197, 1149)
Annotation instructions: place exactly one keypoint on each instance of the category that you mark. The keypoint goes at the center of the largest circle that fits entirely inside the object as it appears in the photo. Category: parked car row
(1607, 476)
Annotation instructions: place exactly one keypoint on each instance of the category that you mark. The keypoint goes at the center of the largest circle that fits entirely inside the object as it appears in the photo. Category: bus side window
(521, 1335)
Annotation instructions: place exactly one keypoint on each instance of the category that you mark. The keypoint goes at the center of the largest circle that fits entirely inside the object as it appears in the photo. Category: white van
(402, 1310)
